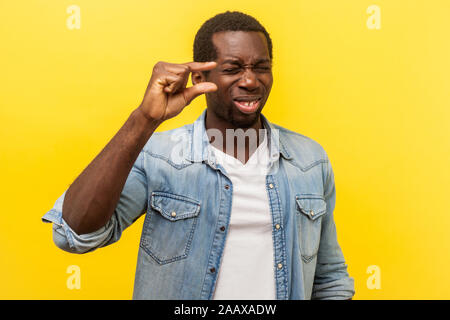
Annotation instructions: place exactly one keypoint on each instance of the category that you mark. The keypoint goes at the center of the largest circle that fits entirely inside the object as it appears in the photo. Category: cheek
(267, 82)
(217, 98)
(223, 86)
(224, 91)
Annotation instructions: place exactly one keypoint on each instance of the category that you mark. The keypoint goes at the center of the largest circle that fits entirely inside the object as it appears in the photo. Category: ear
(197, 77)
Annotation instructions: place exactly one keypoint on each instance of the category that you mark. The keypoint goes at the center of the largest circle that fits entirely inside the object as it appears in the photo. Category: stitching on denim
(145, 244)
(223, 243)
(176, 196)
(188, 214)
(162, 262)
(273, 232)
(313, 164)
(142, 162)
(212, 242)
(187, 248)
(305, 211)
(308, 167)
(309, 196)
(315, 219)
(203, 290)
(316, 214)
(308, 259)
(283, 245)
(147, 248)
(173, 164)
(326, 196)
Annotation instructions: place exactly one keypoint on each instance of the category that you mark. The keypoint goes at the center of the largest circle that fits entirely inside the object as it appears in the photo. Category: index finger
(201, 66)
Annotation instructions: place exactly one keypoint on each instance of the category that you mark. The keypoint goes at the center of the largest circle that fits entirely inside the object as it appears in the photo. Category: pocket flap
(174, 207)
(313, 206)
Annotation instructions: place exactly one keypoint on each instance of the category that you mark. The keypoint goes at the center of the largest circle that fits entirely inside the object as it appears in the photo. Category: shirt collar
(199, 142)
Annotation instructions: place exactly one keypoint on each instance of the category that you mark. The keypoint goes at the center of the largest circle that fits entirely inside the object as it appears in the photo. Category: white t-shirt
(247, 267)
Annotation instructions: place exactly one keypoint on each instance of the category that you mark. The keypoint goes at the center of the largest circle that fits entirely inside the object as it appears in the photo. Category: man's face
(243, 77)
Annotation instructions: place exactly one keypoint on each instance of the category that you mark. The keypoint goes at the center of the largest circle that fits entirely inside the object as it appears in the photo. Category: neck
(235, 141)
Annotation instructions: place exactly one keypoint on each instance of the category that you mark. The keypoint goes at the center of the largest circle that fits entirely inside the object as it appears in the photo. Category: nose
(249, 80)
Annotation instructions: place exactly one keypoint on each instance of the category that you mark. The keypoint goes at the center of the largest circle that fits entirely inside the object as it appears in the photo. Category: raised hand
(166, 93)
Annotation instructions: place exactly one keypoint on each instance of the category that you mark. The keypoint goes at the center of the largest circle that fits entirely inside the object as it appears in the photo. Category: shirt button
(222, 228)
(277, 226)
(311, 212)
(173, 214)
(212, 270)
(227, 186)
(280, 266)
(271, 186)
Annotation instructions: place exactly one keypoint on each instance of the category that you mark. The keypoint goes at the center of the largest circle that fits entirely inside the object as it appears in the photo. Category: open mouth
(247, 105)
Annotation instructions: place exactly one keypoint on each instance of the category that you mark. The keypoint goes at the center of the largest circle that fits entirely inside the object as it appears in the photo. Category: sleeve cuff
(68, 240)
(342, 289)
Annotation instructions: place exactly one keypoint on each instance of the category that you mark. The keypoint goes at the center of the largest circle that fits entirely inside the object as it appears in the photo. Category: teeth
(248, 103)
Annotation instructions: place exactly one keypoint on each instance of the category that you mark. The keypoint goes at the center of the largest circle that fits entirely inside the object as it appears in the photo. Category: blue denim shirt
(187, 200)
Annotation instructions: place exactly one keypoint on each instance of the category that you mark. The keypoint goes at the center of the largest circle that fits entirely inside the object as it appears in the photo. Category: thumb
(203, 87)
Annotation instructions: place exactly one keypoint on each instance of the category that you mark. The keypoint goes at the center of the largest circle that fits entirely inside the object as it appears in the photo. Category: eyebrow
(238, 61)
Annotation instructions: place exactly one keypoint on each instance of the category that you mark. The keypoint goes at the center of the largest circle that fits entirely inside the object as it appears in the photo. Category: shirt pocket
(169, 226)
(310, 209)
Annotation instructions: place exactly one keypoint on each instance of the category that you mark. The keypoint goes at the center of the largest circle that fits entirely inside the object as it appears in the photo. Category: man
(226, 217)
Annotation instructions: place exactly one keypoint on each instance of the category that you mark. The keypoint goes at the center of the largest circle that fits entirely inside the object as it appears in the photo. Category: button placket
(219, 237)
(278, 238)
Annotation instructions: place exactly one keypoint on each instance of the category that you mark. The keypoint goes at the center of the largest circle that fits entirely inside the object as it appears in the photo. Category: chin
(229, 113)
(245, 121)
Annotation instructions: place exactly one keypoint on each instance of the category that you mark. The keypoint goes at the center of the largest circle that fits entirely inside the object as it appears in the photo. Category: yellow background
(376, 100)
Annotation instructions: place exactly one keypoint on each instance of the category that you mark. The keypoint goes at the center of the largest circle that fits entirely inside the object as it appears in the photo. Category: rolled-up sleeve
(132, 204)
(331, 280)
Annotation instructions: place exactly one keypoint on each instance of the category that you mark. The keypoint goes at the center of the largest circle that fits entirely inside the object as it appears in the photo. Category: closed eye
(257, 69)
(231, 70)
(263, 69)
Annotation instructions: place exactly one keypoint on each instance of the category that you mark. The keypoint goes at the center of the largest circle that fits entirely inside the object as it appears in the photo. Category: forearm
(91, 199)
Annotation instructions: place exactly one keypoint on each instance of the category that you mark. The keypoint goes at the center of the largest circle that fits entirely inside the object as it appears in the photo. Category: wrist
(143, 117)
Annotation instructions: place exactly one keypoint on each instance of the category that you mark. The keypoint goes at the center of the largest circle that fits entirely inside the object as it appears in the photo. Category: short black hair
(204, 49)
